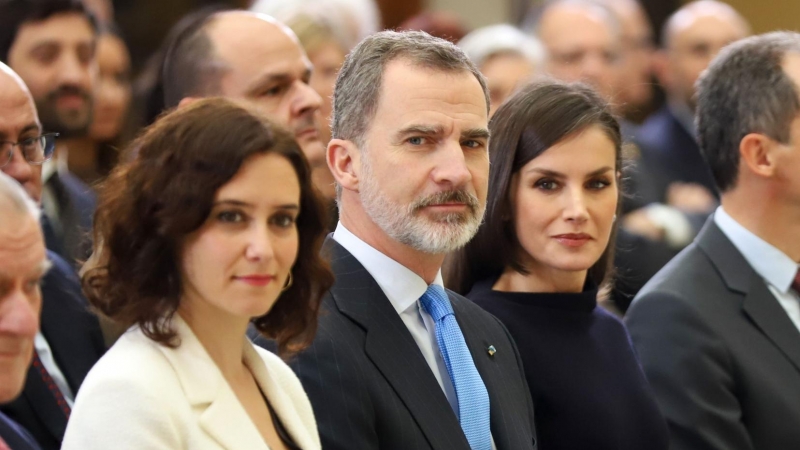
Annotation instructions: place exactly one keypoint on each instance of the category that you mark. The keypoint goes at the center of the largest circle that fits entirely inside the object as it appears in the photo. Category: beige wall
(474, 13)
(769, 15)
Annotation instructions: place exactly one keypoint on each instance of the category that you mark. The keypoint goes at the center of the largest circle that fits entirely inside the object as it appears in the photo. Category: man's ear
(758, 153)
(186, 101)
(344, 161)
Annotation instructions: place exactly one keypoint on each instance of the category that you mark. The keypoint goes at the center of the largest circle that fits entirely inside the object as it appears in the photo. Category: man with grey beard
(399, 362)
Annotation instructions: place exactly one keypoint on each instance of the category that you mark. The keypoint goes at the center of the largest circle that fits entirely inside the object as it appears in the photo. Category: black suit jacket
(74, 336)
(371, 388)
(669, 153)
(721, 353)
(76, 205)
(15, 436)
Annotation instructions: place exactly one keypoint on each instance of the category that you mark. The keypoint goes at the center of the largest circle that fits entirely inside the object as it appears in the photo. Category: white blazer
(143, 395)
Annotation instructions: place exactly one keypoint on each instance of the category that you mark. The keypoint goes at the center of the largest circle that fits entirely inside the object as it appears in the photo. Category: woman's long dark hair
(530, 122)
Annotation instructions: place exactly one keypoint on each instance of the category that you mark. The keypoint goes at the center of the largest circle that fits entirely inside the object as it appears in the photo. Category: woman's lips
(572, 239)
(256, 280)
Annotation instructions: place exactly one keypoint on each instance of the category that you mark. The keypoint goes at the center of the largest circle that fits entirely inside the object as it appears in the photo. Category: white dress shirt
(774, 266)
(46, 356)
(403, 288)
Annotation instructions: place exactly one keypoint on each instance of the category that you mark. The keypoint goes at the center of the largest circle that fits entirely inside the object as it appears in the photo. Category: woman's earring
(289, 282)
(613, 219)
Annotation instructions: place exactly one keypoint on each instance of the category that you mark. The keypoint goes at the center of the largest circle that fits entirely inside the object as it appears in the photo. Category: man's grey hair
(482, 44)
(533, 19)
(358, 86)
(745, 90)
(13, 195)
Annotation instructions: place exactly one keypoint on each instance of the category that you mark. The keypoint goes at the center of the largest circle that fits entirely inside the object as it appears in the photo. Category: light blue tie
(473, 399)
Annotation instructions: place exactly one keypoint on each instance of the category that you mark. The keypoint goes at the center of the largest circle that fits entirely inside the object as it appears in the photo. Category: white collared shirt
(46, 356)
(774, 266)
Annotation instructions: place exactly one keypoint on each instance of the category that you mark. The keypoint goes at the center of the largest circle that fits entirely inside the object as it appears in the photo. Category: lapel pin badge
(491, 350)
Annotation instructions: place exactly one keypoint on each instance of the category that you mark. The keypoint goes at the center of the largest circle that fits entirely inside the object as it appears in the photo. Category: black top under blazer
(721, 353)
(371, 388)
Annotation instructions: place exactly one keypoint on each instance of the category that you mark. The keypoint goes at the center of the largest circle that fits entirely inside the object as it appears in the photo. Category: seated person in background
(51, 45)
(718, 328)
(213, 225)
(400, 363)
(540, 257)
(507, 58)
(23, 263)
(111, 107)
(70, 341)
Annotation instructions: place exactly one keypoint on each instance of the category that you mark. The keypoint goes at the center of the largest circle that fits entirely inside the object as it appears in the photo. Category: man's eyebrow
(428, 130)
(33, 126)
(475, 133)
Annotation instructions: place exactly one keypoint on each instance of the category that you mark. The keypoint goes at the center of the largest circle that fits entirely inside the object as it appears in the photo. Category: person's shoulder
(475, 312)
(135, 361)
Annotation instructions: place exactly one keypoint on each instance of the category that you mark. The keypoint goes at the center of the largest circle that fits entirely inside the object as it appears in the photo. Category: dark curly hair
(150, 203)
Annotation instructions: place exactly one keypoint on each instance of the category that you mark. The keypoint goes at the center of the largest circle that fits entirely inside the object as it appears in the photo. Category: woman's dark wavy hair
(150, 203)
(525, 126)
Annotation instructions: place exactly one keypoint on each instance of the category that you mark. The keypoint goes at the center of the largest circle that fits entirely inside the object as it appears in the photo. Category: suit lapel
(43, 403)
(758, 304)
(391, 348)
(221, 415)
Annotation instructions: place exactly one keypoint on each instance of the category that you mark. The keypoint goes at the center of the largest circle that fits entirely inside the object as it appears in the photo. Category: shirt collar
(771, 264)
(402, 286)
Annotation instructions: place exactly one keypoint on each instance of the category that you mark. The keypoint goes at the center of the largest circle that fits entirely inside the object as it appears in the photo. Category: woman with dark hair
(214, 225)
(538, 260)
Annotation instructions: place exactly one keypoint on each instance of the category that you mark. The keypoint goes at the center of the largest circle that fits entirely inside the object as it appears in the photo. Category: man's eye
(416, 140)
(472, 144)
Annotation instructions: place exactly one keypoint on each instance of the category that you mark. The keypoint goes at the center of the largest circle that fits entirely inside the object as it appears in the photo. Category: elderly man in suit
(70, 341)
(718, 329)
(51, 45)
(399, 362)
(23, 263)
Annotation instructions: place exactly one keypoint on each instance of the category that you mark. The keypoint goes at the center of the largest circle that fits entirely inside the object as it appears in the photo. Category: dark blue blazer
(669, 153)
(371, 388)
(74, 336)
(15, 436)
(76, 204)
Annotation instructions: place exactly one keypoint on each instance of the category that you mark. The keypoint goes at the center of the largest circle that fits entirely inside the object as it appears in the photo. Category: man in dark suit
(22, 264)
(398, 361)
(50, 44)
(70, 340)
(718, 329)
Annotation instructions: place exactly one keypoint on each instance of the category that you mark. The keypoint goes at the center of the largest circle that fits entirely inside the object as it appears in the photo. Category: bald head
(583, 43)
(19, 121)
(251, 57)
(691, 38)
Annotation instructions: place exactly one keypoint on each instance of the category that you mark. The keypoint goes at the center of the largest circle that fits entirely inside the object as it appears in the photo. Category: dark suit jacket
(371, 387)
(15, 436)
(76, 205)
(74, 336)
(669, 153)
(722, 355)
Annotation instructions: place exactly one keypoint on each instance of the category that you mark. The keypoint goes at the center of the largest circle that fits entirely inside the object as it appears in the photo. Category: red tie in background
(51, 385)
(796, 283)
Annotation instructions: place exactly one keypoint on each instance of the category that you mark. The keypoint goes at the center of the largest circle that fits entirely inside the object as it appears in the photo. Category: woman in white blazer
(212, 227)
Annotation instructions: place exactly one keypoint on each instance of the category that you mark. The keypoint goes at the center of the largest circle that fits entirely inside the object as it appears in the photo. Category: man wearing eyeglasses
(70, 340)
(50, 44)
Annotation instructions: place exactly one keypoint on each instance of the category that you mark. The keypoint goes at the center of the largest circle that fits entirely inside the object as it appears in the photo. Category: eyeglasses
(35, 150)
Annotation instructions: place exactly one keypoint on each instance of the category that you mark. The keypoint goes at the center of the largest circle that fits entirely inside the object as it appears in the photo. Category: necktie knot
(436, 303)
